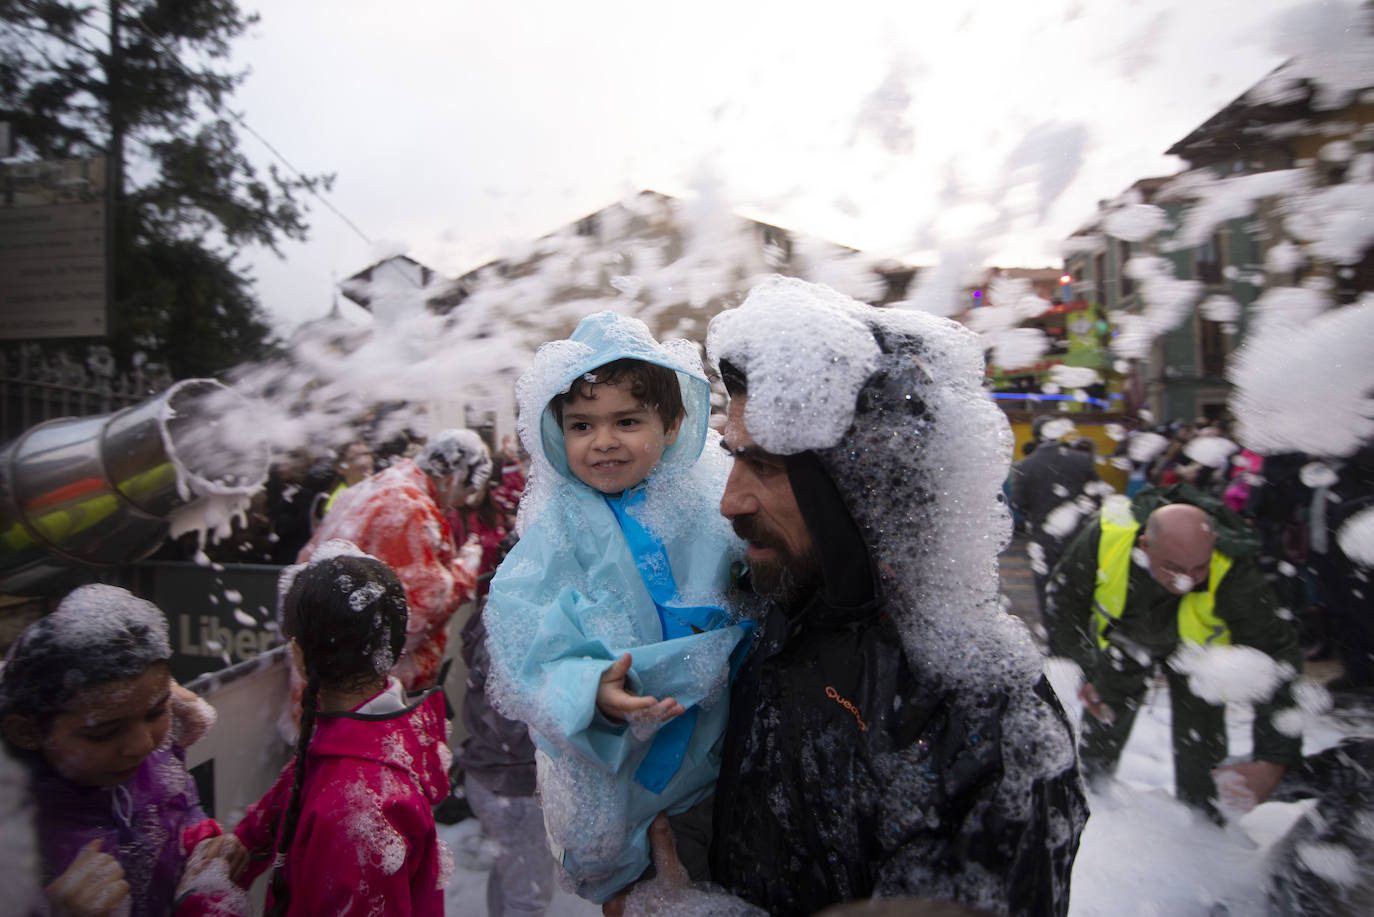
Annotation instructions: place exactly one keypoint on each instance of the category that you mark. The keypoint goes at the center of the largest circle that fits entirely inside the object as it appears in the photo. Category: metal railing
(37, 385)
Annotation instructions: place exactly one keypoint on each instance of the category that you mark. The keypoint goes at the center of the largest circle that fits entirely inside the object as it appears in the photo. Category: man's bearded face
(783, 573)
(760, 504)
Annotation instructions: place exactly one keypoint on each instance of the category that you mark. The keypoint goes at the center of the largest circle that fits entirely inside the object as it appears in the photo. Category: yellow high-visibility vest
(1197, 619)
(329, 504)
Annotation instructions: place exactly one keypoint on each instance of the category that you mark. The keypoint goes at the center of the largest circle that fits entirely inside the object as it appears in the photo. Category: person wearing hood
(891, 734)
(605, 623)
(398, 516)
(1151, 583)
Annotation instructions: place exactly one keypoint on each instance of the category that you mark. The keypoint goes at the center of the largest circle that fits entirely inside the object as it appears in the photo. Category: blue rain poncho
(594, 576)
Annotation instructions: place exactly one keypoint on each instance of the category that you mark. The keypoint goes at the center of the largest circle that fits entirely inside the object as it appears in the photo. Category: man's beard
(789, 577)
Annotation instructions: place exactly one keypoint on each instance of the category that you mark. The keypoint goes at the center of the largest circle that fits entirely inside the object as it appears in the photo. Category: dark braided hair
(347, 613)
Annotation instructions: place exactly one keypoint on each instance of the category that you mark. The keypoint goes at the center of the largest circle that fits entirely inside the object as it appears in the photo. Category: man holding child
(890, 733)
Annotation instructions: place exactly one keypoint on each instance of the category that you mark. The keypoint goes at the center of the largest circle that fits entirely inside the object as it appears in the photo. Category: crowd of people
(1290, 505)
(765, 662)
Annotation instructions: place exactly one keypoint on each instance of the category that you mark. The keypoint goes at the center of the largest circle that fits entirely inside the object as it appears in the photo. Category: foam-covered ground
(467, 892)
(1142, 853)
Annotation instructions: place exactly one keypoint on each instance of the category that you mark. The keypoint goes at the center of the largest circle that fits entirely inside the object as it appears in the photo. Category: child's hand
(616, 703)
(208, 883)
(93, 886)
(225, 847)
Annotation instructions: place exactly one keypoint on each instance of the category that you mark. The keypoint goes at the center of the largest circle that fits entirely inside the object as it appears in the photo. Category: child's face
(106, 733)
(613, 440)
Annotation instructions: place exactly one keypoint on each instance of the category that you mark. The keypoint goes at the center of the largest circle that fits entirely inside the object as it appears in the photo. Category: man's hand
(1241, 787)
(663, 847)
(93, 886)
(670, 876)
(616, 703)
(1093, 704)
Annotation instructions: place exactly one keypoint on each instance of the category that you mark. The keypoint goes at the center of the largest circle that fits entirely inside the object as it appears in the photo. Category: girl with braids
(348, 827)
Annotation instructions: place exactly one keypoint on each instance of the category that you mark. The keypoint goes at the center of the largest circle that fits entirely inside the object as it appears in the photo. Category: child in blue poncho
(606, 623)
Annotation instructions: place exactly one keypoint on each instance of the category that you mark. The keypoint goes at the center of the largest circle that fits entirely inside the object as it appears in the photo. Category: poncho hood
(598, 340)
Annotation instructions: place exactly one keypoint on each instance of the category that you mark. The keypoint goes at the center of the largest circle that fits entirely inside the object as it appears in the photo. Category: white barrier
(239, 759)
(244, 751)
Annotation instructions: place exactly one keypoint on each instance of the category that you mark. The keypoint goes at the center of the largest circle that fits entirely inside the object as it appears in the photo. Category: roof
(358, 288)
(1239, 124)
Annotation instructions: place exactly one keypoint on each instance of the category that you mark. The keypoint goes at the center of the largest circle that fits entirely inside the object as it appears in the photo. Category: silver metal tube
(96, 491)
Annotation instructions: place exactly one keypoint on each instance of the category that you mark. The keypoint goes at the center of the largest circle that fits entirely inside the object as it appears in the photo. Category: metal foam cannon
(102, 491)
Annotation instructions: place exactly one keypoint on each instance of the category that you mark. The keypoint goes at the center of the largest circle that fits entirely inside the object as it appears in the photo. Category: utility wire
(319, 197)
(238, 119)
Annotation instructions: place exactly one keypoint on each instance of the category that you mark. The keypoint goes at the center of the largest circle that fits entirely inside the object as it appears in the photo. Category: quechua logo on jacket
(835, 696)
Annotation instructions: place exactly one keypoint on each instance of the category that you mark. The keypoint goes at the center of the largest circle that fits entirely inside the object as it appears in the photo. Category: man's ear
(22, 731)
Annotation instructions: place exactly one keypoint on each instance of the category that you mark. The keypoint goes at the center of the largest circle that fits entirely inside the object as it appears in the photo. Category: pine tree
(146, 82)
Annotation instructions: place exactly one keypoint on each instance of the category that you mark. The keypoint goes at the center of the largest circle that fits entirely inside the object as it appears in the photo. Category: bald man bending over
(1178, 568)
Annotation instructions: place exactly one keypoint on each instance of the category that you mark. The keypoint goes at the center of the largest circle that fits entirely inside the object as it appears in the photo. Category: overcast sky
(908, 128)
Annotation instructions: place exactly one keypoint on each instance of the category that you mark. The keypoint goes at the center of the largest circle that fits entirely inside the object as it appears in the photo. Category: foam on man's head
(806, 351)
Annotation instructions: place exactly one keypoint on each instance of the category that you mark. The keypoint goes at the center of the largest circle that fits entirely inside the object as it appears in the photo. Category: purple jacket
(139, 823)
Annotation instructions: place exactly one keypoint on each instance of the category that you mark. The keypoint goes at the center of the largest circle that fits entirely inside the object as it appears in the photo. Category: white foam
(806, 374)
(1241, 674)
(1356, 538)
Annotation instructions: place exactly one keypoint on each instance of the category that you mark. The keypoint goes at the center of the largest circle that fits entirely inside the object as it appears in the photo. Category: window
(1355, 280)
(777, 245)
(589, 226)
(1100, 279)
(1207, 260)
(1123, 254)
(1213, 346)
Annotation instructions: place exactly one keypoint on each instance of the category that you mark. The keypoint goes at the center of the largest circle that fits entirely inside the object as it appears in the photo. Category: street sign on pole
(52, 249)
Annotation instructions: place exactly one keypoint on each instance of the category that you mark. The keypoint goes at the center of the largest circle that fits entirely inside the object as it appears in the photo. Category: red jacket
(395, 517)
(365, 842)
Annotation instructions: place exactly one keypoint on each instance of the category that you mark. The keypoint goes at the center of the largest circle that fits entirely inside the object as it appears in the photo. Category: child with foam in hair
(87, 702)
(348, 828)
(606, 623)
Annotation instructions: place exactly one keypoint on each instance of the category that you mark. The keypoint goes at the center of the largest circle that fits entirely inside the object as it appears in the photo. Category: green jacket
(1149, 623)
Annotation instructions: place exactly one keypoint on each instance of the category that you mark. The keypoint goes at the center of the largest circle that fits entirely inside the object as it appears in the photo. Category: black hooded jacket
(851, 771)
(847, 775)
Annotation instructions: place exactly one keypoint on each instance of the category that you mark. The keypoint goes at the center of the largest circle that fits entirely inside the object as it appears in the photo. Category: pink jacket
(365, 842)
(1245, 470)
